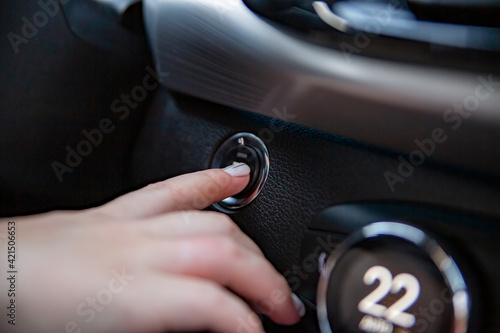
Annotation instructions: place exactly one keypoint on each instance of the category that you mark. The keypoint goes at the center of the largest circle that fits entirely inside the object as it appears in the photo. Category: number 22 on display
(396, 312)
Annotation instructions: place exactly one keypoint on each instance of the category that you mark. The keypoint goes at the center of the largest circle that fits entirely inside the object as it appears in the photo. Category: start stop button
(249, 149)
(391, 277)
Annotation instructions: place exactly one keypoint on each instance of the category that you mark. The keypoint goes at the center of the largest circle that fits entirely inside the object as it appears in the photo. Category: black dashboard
(381, 148)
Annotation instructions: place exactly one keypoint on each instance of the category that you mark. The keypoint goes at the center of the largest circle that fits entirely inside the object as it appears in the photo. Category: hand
(148, 261)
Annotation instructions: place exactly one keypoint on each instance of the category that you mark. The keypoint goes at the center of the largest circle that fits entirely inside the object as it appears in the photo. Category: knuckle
(228, 249)
(120, 230)
(216, 181)
(220, 178)
(170, 188)
(157, 186)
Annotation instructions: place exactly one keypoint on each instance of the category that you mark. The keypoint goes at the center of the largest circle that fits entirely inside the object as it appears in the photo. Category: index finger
(196, 190)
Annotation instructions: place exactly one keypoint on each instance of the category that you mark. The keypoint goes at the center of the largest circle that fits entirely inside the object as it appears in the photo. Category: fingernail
(238, 169)
(299, 306)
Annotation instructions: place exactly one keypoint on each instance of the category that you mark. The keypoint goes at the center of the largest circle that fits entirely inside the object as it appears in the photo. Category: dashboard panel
(381, 163)
(312, 173)
(387, 143)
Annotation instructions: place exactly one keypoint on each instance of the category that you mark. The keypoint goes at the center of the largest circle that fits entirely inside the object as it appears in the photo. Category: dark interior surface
(53, 88)
(310, 171)
(58, 85)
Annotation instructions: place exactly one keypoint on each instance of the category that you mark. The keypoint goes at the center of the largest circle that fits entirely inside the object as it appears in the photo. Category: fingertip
(238, 169)
(290, 312)
(299, 305)
(239, 177)
(239, 183)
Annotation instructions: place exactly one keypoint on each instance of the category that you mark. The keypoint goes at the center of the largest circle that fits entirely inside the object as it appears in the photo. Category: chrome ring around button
(247, 148)
(460, 299)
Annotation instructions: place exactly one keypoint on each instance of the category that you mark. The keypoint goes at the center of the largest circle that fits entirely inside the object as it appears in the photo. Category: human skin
(148, 261)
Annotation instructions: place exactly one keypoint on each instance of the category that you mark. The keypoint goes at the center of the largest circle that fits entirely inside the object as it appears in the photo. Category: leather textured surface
(309, 171)
(59, 85)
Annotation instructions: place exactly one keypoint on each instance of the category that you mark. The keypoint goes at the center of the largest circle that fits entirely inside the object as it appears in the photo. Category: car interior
(371, 128)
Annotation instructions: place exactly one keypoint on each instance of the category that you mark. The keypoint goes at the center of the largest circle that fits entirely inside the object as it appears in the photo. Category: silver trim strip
(325, 13)
(223, 52)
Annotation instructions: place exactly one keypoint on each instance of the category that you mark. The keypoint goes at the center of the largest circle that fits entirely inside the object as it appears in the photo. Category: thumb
(196, 190)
